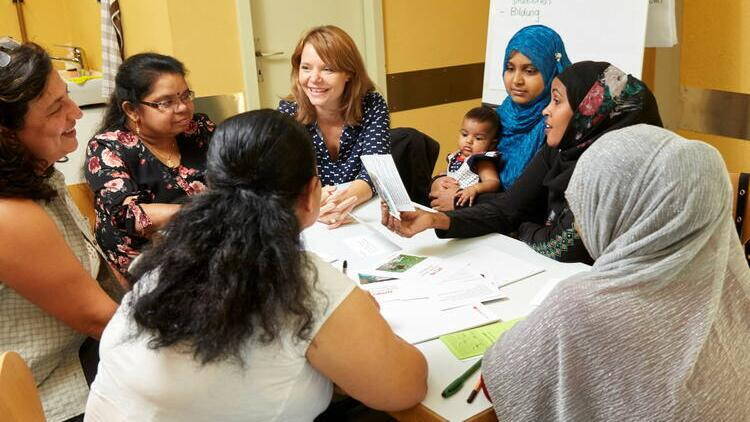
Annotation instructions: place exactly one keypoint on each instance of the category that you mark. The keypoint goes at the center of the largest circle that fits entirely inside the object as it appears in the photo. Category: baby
(473, 168)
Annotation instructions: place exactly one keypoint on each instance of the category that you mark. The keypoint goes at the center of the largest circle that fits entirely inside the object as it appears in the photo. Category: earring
(137, 128)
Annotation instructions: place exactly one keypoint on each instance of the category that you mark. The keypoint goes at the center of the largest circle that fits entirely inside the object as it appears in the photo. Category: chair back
(19, 398)
(415, 155)
(741, 208)
(84, 199)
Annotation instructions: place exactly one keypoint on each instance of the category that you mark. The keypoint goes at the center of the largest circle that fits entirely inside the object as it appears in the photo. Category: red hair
(337, 50)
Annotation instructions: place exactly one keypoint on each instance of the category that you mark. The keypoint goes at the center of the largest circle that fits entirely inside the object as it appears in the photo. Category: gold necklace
(171, 159)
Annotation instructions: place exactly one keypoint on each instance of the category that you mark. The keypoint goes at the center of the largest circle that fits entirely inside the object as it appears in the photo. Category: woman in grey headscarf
(659, 329)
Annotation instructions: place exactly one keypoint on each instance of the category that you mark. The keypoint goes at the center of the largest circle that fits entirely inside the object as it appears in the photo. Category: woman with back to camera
(148, 156)
(231, 320)
(659, 328)
(50, 299)
(334, 98)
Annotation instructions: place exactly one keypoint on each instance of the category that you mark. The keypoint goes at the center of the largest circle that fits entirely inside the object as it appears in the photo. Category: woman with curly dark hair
(231, 320)
(49, 264)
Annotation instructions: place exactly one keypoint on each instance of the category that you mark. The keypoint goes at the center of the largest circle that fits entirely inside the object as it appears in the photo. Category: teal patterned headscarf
(522, 124)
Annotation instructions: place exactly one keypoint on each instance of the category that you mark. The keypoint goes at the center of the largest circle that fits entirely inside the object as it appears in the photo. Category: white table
(443, 367)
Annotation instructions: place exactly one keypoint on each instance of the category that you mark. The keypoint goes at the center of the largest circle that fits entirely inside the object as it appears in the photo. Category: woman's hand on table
(333, 210)
(413, 222)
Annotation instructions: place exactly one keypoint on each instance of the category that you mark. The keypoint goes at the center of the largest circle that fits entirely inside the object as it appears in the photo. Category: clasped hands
(335, 207)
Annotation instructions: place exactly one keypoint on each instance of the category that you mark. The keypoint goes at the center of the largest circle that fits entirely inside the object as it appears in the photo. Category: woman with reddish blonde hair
(335, 99)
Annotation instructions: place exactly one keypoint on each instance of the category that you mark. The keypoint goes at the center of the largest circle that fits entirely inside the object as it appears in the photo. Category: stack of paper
(422, 299)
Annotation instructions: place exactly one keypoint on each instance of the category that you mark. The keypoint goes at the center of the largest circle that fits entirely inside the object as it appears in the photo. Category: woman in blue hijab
(535, 55)
(534, 52)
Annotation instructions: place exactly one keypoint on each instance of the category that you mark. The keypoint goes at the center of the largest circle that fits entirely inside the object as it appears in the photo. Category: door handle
(262, 54)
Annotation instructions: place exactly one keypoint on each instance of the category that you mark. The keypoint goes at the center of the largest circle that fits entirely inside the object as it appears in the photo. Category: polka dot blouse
(370, 136)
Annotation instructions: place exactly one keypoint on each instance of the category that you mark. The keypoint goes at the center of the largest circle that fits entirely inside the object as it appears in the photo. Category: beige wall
(48, 24)
(201, 34)
(712, 54)
(9, 21)
(205, 37)
(427, 34)
(145, 25)
(716, 45)
(54, 22)
(424, 34)
(86, 30)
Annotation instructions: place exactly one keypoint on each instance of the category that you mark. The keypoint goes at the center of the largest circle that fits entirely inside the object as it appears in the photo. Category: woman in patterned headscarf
(589, 99)
(659, 329)
(535, 55)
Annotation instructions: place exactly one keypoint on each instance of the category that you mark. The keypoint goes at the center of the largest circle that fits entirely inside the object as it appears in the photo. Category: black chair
(741, 208)
(415, 155)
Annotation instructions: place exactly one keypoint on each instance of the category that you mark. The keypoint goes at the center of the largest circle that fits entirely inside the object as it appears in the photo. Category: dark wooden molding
(716, 112)
(430, 87)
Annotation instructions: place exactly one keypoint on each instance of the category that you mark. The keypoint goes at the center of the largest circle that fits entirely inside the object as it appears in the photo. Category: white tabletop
(443, 366)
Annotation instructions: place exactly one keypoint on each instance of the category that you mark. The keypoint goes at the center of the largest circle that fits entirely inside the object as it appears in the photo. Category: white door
(269, 31)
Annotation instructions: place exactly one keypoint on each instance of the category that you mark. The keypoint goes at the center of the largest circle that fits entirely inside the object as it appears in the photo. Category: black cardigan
(537, 216)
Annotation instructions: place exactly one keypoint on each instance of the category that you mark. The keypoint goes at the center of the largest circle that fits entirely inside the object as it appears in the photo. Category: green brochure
(474, 342)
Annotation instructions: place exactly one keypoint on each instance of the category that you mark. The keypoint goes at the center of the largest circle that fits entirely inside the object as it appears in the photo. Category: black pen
(343, 267)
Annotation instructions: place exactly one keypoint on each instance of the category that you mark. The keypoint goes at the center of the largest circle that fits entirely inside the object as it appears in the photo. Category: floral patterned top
(123, 174)
(371, 136)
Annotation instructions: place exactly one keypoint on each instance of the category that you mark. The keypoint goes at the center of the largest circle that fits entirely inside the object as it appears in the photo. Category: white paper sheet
(661, 30)
(455, 294)
(387, 182)
(419, 320)
(358, 243)
(497, 267)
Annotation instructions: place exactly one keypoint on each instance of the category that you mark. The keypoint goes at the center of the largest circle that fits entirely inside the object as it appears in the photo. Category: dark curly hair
(24, 79)
(133, 82)
(484, 114)
(230, 265)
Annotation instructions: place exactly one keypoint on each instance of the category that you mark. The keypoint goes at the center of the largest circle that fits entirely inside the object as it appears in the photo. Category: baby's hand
(466, 195)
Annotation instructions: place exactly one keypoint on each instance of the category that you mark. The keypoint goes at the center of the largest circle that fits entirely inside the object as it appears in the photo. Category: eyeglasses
(7, 45)
(171, 104)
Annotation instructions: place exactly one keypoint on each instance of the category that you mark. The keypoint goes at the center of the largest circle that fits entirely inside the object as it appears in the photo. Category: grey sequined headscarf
(659, 329)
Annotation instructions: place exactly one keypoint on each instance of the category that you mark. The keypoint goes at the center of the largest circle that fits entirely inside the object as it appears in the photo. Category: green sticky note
(474, 342)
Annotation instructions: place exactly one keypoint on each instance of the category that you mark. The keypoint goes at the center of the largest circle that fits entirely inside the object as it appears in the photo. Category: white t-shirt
(276, 383)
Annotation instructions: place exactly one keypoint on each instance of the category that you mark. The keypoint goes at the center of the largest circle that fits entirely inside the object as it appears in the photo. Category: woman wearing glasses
(50, 299)
(149, 155)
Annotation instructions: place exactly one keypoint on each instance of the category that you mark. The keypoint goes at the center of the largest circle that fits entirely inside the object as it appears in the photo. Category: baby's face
(475, 137)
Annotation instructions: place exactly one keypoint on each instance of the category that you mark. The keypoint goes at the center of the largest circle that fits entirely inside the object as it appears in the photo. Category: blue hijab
(523, 125)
